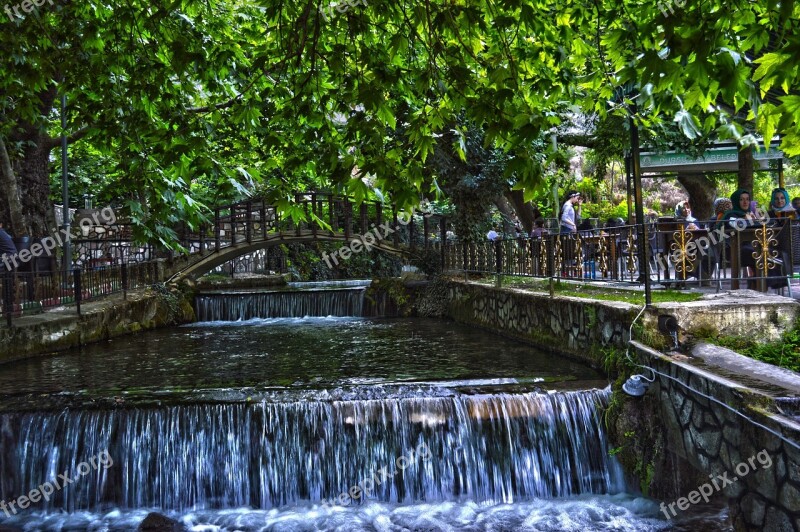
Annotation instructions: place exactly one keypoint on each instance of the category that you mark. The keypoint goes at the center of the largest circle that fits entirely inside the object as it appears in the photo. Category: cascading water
(261, 425)
(234, 307)
(499, 448)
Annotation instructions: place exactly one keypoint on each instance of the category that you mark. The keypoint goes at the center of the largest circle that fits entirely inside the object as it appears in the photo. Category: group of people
(739, 212)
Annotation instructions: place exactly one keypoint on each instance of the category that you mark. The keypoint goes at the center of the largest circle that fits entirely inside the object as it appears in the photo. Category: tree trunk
(508, 213)
(34, 172)
(524, 209)
(746, 164)
(702, 192)
(8, 185)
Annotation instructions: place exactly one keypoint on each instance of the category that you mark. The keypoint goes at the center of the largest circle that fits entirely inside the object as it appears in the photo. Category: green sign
(711, 156)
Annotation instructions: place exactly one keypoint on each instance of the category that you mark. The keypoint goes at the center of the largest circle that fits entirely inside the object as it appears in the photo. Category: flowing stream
(312, 423)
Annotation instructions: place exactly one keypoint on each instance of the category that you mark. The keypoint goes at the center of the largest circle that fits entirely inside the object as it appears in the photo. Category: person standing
(7, 248)
(568, 214)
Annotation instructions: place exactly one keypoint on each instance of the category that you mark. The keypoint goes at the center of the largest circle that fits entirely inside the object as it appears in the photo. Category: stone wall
(575, 327)
(714, 436)
(60, 330)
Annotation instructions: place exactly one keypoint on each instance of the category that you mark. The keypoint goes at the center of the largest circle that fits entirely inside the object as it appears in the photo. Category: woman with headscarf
(780, 207)
(740, 210)
(721, 206)
(780, 212)
(683, 212)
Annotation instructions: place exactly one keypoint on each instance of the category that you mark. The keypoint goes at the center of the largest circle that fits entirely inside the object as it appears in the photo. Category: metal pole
(644, 262)
(65, 188)
(628, 179)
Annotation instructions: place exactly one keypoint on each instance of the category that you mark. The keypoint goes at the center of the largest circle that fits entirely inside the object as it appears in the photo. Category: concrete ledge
(742, 313)
(61, 329)
(781, 381)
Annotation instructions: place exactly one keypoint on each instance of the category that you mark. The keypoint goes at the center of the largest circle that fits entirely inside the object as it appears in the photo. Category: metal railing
(754, 255)
(26, 293)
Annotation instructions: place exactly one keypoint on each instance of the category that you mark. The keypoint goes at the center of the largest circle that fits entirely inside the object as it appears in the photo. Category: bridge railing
(755, 255)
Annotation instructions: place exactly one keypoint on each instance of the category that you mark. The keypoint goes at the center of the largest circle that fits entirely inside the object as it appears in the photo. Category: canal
(319, 422)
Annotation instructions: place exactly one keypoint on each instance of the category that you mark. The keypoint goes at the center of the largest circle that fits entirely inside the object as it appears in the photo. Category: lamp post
(644, 262)
(65, 187)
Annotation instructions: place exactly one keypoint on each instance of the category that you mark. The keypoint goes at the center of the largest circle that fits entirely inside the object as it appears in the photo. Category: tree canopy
(197, 102)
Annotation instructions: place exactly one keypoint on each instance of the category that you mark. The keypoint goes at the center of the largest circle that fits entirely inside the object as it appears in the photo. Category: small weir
(298, 300)
(492, 448)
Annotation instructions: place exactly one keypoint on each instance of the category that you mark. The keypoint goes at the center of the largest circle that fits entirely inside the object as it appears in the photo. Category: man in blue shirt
(7, 249)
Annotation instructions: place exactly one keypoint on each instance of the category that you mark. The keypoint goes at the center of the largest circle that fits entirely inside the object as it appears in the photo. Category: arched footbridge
(252, 225)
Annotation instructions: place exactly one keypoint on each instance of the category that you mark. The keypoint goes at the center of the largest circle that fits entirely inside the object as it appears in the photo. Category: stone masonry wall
(715, 440)
(579, 328)
(60, 330)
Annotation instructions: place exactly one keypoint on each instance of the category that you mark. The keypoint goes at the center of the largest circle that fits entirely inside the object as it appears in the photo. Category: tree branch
(224, 105)
(53, 142)
(587, 141)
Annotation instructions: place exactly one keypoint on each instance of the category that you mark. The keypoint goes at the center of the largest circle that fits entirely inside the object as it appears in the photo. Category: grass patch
(635, 297)
(784, 353)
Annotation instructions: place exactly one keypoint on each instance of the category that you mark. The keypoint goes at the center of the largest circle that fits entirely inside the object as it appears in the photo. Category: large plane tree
(217, 95)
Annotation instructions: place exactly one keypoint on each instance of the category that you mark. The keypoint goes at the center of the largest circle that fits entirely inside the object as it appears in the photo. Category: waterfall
(280, 304)
(498, 447)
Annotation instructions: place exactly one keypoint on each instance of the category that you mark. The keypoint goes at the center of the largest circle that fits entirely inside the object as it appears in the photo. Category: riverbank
(62, 328)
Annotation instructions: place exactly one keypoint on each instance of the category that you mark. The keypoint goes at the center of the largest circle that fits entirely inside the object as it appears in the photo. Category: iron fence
(32, 292)
(739, 254)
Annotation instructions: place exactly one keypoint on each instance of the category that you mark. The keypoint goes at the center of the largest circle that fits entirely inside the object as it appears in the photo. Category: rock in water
(160, 523)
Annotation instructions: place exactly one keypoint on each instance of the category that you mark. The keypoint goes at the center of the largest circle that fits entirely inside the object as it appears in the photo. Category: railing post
(232, 211)
(551, 258)
(396, 234)
(411, 231)
(314, 213)
(443, 232)
(77, 286)
(465, 259)
(332, 213)
(124, 274)
(348, 218)
(364, 215)
(217, 229)
(299, 227)
(498, 257)
(425, 232)
(263, 214)
(8, 296)
(249, 221)
(202, 238)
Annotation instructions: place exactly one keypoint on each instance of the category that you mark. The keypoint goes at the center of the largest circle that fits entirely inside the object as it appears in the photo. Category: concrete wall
(58, 330)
